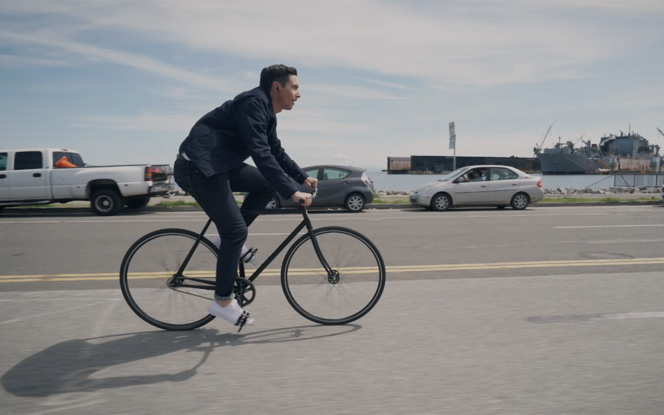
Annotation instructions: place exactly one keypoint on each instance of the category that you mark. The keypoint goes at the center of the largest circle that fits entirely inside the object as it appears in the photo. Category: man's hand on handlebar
(302, 198)
(311, 182)
(305, 198)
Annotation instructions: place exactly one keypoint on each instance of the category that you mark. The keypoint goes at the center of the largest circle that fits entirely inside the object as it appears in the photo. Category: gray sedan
(485, 185)
(342, 186)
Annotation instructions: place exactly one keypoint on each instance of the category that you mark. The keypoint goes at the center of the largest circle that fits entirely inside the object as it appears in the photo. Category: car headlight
(424, 188)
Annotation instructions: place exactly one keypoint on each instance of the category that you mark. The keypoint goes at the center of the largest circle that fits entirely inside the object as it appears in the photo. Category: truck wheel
(106, 202)
(138, 202)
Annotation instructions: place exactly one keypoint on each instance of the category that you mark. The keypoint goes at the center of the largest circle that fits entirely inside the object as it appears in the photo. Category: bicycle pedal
(249, 256)
(242, 320)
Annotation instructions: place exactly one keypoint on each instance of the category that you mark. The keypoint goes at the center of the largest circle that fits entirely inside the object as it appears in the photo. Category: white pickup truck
(43, 176)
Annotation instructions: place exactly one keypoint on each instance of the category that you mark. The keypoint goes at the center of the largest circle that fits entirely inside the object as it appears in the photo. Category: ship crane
(538, 148)
(579, 139)
(660, 131)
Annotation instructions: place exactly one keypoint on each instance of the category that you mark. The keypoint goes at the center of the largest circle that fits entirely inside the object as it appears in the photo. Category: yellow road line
(351, 270)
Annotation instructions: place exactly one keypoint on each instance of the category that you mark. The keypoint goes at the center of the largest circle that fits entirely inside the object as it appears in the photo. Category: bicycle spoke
(154, 290)
(354, 286)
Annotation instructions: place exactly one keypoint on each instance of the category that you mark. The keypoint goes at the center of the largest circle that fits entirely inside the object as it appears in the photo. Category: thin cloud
(26, 61)
(472, 43)
(386, 84)
(118, 57)
(140, 122)
(350, 92)
(323, 125)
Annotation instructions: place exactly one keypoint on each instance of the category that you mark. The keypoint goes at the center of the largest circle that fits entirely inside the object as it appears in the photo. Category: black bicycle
(331, 275)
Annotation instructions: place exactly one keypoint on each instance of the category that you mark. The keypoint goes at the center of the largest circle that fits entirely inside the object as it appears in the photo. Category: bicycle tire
(146, 279)
(333, 301)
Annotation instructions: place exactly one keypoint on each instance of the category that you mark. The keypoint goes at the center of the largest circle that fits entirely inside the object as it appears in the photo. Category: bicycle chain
(241, 287)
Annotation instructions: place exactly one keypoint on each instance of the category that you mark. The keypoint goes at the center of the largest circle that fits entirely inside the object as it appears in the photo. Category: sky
(123, 81)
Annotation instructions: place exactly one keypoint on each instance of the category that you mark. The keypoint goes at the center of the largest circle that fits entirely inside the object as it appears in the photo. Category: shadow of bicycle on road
(71, 366)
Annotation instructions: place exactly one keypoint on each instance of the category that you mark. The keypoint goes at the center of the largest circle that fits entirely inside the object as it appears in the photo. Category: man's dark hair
(279, 73)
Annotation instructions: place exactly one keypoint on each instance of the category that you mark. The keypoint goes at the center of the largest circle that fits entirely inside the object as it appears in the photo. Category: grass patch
(175, 203)
(49, 206)
(602, 200)
(169, 204)
(579, 200)
(398, 200)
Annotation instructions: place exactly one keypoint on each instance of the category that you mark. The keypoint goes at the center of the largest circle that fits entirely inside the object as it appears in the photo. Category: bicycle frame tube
(281, 247)
(306, 222)
(193, 248)
(319, 254)
(209, 285)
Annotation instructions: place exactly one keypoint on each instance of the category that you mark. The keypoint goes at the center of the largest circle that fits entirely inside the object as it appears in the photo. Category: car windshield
(452, 175)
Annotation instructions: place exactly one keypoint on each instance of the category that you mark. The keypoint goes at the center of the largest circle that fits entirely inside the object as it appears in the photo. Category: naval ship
(614, 153)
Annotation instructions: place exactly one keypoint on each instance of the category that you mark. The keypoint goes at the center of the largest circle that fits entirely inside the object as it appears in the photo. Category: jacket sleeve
(287, 164)
(270, 158)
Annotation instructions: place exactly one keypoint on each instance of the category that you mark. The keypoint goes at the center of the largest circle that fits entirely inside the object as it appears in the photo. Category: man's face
(289, 93)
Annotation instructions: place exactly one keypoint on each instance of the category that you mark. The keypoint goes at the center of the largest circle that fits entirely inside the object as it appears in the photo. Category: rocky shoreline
(620, 193)
(642, 190)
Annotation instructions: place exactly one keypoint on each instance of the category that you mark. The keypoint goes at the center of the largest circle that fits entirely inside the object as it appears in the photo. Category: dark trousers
(215, 196)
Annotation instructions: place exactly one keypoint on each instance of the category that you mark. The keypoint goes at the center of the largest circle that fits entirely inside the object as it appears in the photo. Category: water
(408, 182)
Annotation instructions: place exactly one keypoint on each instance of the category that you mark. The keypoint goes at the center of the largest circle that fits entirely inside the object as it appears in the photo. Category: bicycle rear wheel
(349, 291)
(156, 292)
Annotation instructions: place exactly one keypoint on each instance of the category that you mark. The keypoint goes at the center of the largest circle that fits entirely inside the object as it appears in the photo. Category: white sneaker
(248, 255)
(232, 313)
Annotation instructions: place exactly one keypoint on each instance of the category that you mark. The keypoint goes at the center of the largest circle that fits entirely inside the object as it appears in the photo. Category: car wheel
(138, 202)
(354, 202)
(106, 202)
(520, 201)
(273, 204)
(441, 202)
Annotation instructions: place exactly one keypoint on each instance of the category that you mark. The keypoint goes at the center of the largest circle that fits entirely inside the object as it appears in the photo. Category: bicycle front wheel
(155, 289)
(348, 291)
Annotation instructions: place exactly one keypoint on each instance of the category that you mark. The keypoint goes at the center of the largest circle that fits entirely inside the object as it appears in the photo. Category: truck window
(28, 160)
(73, 158)
(3, 161)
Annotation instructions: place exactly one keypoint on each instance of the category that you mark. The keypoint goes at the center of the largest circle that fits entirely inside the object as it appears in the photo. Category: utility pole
(453, 144)
(660, 159)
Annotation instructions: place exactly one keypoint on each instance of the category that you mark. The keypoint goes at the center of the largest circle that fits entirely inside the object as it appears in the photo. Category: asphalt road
(551, 310)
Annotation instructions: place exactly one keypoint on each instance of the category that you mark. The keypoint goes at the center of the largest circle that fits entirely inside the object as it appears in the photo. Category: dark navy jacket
(241, 128)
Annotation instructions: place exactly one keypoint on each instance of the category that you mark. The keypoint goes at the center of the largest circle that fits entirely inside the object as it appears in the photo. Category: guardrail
(638, 180)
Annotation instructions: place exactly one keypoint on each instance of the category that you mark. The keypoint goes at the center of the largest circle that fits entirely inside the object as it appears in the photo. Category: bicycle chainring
(244, 290)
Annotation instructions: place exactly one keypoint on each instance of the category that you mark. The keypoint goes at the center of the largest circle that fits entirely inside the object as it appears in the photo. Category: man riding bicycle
(210, 166)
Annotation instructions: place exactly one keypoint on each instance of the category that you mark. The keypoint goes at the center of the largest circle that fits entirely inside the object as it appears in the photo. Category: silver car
(342, 186)
(486, 185)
